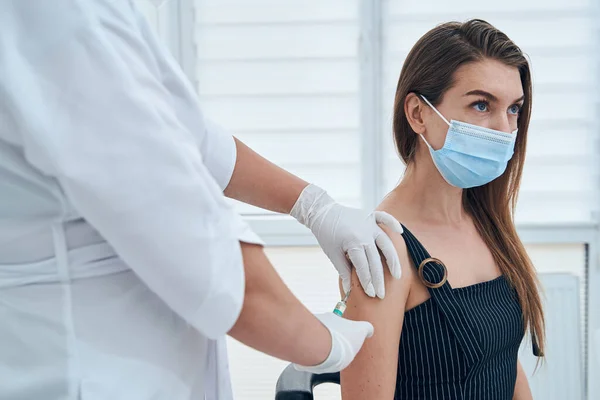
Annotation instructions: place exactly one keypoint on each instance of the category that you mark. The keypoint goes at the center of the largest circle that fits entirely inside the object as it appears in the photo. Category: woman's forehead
(500, 80)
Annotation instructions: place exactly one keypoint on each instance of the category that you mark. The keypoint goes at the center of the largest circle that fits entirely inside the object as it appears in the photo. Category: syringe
(341, 305)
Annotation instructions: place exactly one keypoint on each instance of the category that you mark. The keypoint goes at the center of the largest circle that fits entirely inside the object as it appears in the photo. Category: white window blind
(283, 78)
(560, 183)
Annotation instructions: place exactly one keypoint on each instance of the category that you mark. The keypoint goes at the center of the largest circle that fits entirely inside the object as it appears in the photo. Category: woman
(451, 327)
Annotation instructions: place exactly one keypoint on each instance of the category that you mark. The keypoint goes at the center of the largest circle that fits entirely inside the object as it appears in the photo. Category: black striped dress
(461, 343)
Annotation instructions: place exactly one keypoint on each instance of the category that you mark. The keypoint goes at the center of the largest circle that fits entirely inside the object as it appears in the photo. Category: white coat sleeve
(218, 140)
(90, 114)
(217, 145)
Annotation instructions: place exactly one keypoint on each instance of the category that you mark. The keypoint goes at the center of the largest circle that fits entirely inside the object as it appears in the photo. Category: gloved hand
(343, 231)
(347, 337)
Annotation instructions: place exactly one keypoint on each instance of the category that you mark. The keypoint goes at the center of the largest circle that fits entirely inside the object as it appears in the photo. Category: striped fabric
(461, 343)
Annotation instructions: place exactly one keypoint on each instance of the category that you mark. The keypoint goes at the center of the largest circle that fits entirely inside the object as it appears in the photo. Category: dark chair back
(299, 385)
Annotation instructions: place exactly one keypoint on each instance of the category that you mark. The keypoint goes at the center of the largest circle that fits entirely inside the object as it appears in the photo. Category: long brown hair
(429, 70)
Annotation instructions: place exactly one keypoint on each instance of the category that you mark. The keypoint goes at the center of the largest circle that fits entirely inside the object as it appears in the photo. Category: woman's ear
(414, 109)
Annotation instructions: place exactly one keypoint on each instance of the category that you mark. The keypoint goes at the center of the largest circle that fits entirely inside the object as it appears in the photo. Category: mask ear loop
(435, 109)
(438, 113)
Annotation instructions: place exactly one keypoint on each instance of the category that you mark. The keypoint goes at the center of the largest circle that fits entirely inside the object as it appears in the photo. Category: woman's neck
(424, 196)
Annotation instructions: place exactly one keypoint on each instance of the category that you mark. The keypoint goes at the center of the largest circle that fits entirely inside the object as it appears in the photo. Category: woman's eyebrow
(482, 93)
(489, 96)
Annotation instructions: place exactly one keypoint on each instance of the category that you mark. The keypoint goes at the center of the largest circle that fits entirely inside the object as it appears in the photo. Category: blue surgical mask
(472, 155)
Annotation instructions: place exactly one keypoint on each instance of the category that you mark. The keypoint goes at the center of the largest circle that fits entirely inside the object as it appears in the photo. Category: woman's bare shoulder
(397, 240)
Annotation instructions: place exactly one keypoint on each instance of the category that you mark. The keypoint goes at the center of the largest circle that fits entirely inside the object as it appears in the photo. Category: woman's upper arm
(372, 374)
(522, 389)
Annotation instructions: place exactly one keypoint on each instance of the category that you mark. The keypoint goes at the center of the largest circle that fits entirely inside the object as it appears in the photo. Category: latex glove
(343, 231)
(347, 337)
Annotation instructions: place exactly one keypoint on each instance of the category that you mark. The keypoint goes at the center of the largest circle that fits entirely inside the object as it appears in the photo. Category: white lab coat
(120, 265)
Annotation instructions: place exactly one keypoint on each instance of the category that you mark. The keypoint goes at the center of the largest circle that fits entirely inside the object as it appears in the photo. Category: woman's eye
(514, 109)
(481, 106)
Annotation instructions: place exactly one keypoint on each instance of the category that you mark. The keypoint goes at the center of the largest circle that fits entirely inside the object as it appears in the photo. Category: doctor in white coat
(122, 266)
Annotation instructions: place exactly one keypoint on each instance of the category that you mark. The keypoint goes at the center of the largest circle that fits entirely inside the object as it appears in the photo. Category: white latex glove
(347, 337)
(343, 231)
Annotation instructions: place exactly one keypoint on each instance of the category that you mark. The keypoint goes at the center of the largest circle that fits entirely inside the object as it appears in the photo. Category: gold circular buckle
(425, 281)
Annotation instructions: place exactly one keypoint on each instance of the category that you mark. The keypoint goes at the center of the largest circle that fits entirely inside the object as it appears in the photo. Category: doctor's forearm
(259, 182)
(273, 320)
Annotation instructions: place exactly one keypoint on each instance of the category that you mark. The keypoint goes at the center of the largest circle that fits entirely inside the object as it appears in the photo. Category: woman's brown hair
(429, 71)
